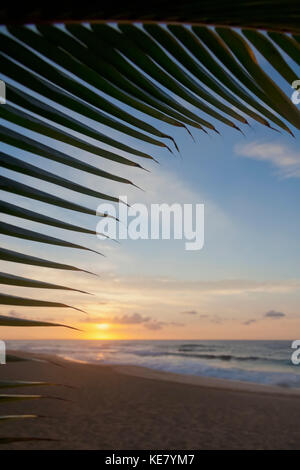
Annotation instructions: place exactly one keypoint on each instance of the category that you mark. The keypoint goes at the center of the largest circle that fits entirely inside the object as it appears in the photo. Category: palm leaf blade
(20, 322)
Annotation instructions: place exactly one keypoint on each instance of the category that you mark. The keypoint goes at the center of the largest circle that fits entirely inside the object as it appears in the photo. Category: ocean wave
(193, 347)
(217, 357)
(258, 362)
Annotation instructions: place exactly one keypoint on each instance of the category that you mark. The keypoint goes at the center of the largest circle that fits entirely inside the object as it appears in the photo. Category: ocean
(264, 362)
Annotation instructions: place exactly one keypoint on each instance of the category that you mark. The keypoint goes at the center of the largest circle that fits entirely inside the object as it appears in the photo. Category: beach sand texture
(126, 407)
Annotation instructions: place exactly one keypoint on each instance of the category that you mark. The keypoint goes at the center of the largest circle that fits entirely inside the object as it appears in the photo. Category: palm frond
(264, 14)
(131, 78)
(19, 232)
(11, 417)
(9, 397)
(10, 440)
(288, 44)
(21, 383)
(21, 212)
(16, 257)
(6, 299)
(20, 322)
(9, 185)
(150, 68)
(12, 280)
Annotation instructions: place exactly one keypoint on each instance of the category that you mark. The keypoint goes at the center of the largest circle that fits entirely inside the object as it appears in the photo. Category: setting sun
(103, 326)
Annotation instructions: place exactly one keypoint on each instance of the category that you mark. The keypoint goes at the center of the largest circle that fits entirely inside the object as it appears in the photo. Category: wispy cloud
(190, 312)
(133, 319)
(282, 157)
(218, 288)
(249, 322)
(155, 325)
(274, 314)
(158, 325)
(217, 319)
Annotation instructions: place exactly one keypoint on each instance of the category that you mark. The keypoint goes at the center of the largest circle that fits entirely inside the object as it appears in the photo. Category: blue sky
(250, 261)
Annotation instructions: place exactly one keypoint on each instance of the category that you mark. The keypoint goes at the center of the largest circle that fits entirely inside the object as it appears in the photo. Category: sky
(243, 284)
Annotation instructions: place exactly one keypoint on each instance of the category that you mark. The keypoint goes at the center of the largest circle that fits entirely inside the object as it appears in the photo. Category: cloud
(274, 314)
(218, 287)
(210, 318)
(249, 322)
(286, 160)
(133, 319)
(155, 325)
(216, 319)
(158, 325)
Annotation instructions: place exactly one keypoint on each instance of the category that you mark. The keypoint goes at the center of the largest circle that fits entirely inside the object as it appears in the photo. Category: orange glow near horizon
(103, 326)
(102, 331)
(263, 330)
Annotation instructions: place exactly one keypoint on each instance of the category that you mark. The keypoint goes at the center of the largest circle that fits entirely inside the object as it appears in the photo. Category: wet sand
(129, 407)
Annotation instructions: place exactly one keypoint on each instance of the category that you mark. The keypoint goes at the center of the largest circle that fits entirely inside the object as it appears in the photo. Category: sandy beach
(126, 407)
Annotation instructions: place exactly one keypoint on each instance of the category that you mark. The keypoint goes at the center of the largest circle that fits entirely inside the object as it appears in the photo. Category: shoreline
(117, 407)
(189, 379)
(203, 381)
